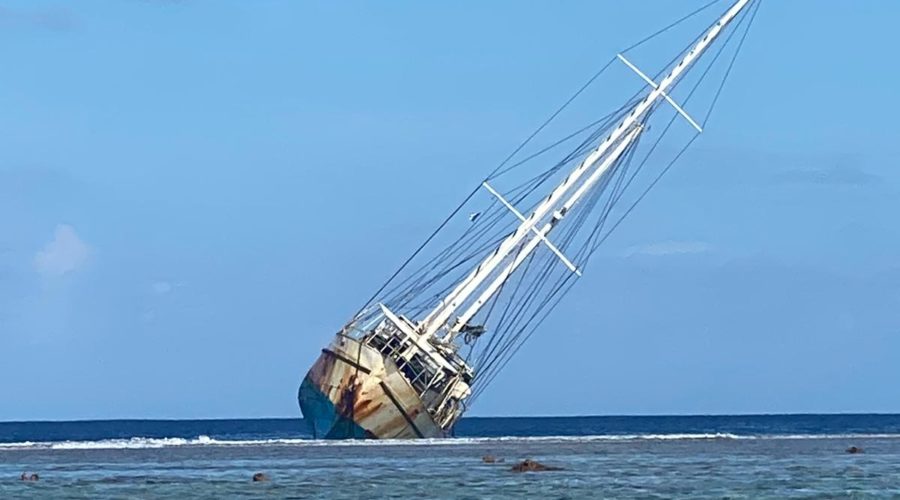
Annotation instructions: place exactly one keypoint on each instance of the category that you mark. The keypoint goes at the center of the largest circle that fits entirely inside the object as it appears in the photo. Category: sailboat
(411, 360)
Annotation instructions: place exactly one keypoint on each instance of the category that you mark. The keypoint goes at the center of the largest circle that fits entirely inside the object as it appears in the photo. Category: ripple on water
(699, 468)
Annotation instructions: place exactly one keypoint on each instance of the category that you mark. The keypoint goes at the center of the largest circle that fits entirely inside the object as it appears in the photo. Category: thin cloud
(165, 287)
(840, 175)
(664, 248)
(66, 253)
(161, 287)
(764, 168)
(51, 18)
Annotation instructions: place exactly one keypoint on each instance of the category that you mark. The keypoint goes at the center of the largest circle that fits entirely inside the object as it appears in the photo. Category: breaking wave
(151, 443)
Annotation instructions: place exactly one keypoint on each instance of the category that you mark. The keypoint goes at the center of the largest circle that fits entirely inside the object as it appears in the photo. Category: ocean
(760, 456)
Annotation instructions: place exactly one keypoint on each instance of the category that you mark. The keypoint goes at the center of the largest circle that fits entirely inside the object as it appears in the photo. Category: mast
(557, 216)
(600, 160)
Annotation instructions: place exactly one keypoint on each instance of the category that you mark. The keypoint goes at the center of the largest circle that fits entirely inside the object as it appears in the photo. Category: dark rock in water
(854, 449)
(260, 477)
(529, 465)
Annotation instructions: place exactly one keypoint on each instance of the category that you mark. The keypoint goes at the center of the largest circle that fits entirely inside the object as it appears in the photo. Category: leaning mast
(597, 163)
(385, 375)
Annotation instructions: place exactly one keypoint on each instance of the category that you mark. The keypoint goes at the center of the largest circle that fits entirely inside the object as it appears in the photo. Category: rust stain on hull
(367, 390)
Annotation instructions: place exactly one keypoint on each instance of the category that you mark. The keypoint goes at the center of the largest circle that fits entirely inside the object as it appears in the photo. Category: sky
(195, 195)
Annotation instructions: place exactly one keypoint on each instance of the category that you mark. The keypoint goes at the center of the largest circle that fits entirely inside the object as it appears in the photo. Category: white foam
(202, 440)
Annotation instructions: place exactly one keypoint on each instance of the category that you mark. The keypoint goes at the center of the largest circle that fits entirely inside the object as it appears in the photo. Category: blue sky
(189, 189)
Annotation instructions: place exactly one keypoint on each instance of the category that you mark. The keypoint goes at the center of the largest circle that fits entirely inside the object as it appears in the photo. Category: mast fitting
(653, 84)
(540, 235)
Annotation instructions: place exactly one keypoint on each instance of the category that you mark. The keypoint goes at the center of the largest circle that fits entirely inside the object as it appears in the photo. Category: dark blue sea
(759, 456)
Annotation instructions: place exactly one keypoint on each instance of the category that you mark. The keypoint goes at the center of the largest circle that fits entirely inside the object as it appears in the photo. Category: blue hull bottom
(322, 416)
(351, 393)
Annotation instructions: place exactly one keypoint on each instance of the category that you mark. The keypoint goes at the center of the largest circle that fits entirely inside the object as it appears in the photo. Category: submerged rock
(491, 459)
(854, 449)
(529, 465)
(260, 477)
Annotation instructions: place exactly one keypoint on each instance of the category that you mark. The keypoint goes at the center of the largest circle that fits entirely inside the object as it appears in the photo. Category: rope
(563, 285)
(524, 301)
(476, 189)
(676, 23)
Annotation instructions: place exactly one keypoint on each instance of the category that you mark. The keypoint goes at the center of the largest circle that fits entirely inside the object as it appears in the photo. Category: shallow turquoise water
(668, 466)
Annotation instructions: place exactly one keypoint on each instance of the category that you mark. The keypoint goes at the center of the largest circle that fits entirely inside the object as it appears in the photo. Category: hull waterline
(353, 392)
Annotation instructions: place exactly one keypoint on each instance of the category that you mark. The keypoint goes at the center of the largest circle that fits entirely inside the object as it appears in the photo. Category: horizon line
(614, 415)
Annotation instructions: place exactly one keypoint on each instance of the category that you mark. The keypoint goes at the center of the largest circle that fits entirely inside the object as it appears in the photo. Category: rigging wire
(527, 304)
(528, 187)
(565, 284)
(667, 28)
(476, 189)
(502, 164)
(510, 348)
(539, 282)
(705, 119)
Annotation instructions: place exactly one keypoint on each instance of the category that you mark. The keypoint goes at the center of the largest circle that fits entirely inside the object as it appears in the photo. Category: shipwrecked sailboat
(435, 335)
